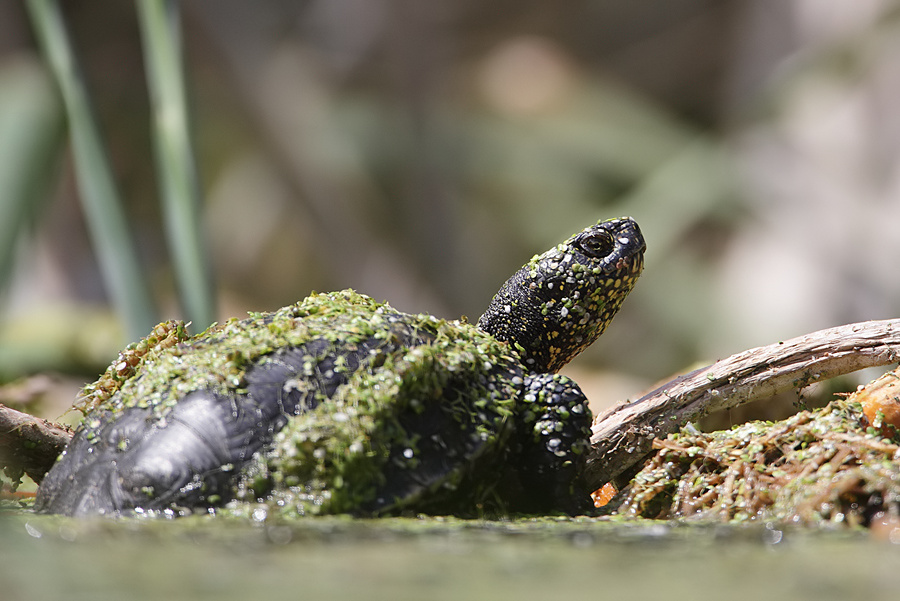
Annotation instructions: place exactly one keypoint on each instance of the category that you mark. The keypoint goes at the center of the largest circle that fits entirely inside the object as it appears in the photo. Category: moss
(128, 362)
(815, 467)
(381, 440)
(168, 363)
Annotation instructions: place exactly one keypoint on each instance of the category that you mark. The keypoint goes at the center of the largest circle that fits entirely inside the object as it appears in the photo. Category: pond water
(43, 557)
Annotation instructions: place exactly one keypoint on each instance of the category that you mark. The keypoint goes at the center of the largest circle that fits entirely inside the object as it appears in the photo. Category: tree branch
(622, 436)
(29, 444)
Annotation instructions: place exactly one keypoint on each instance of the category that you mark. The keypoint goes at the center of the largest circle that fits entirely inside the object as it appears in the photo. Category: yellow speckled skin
(561, 301)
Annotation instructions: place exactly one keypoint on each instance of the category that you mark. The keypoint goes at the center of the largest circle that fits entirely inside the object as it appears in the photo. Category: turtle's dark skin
(339, 404)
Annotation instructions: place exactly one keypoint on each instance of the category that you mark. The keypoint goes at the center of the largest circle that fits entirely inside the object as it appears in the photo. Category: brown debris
(824, 466)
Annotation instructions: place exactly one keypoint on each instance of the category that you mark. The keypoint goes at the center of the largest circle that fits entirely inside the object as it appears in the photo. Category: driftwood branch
(29, 444)
(623, 435)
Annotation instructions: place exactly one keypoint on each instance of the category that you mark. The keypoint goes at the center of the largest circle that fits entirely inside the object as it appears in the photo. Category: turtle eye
(596, 244)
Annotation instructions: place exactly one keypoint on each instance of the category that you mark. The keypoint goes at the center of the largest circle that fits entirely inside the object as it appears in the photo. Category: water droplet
(33, 531)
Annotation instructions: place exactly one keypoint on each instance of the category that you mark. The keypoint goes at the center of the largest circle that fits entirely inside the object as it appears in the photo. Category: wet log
(29, 444)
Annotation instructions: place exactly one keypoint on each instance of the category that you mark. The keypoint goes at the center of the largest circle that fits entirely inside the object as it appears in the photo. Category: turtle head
(561, 301)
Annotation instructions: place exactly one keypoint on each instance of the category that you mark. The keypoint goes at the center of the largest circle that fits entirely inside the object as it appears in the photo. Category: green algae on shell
(162, 337)
(418, 411)
(146, 373)
(337, 456)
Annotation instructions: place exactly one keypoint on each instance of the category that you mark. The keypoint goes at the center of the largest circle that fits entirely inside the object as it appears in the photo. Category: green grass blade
(105, 217)
(160, 29)
(31, 143)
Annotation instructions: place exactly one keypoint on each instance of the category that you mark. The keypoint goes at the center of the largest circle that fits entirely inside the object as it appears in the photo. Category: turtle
(341, 404)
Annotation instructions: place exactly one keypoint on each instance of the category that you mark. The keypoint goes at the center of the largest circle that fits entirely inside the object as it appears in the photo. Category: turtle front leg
(553, 437)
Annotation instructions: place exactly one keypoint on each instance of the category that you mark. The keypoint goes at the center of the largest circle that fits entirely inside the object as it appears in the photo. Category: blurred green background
(420, 152)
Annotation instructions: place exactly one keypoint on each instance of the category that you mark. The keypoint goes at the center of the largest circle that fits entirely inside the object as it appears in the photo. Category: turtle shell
(335, 404)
